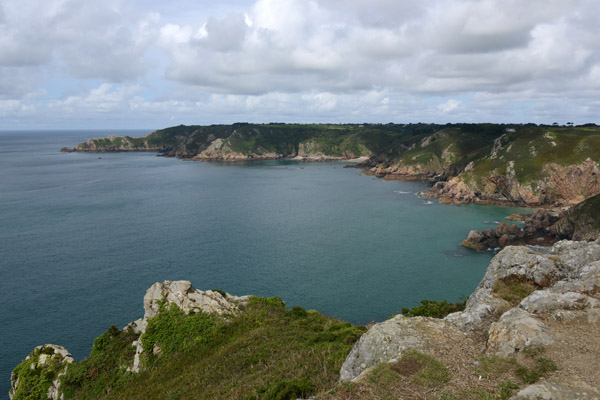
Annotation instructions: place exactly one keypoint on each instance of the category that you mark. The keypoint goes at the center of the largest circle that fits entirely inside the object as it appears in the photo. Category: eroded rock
(516, 330)
(388, 340)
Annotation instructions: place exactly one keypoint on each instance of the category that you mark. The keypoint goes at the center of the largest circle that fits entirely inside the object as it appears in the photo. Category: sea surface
(82, 236)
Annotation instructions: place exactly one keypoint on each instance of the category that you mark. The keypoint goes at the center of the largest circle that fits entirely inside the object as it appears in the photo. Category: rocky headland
(542, 228)
(529, 331)
(503, 164)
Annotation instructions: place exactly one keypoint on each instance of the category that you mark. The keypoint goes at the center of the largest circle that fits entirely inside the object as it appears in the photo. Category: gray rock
(570, 266)
(516, 330)
(549, 390)
(550, 300)
(388, 340)
(188, 298)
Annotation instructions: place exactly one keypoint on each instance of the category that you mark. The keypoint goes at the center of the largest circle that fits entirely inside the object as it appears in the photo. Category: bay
(82, 236)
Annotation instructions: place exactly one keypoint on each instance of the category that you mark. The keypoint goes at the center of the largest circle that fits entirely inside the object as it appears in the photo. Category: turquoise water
(83, 237)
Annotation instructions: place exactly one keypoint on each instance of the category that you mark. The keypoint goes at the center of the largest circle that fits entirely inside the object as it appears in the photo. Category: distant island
(507, 164)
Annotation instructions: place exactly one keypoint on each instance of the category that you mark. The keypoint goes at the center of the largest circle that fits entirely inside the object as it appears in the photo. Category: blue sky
(150, 64)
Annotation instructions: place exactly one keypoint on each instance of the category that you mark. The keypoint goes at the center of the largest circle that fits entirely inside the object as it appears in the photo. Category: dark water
(83, 237)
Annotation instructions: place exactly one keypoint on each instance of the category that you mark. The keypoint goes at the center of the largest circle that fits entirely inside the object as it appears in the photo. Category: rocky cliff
(525, 165)
(542, 228)
(529, 331)
(541, 310)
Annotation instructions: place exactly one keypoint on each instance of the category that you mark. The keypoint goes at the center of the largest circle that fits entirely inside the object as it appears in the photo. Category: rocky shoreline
(542, 228)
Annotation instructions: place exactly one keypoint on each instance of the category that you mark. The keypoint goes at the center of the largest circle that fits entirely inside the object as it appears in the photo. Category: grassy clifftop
(266, 352)
(527, 165)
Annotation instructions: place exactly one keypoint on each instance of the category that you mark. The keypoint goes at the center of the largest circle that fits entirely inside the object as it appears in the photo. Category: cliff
(528, 331)
(542, 228)
(522, 165)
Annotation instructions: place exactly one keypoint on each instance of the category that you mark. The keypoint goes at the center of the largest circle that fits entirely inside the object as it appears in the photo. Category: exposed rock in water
(525, 300)
(536, 231)
(542, 228)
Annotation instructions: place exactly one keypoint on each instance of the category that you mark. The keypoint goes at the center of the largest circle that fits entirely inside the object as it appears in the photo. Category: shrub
(171, 330)
(433, 308)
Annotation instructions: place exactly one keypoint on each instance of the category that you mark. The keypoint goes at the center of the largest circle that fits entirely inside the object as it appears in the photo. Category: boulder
(387, 341)
(516, 330)
(549, 390)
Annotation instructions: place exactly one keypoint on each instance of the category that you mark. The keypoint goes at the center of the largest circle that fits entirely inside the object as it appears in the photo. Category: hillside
(528, 331)
(524, 165)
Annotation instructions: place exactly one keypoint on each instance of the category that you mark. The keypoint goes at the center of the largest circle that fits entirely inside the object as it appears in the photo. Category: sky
(119, 64)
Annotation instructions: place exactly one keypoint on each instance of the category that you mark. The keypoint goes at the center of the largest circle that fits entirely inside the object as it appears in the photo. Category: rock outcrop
(542, 228)
(49, 361)
(189, 299)
(387, 341)
(525, 300)
(52, 361)
(538, 230)
(558, 185)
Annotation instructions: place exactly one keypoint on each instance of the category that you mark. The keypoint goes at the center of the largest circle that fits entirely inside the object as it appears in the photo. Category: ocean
(82, 236)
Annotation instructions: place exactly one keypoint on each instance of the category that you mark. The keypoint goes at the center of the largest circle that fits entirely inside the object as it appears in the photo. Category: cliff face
(542, 228)
(533, 316)
(531, 167)
(527, 304)
(559, 185)
(520, 165)
(242, 142)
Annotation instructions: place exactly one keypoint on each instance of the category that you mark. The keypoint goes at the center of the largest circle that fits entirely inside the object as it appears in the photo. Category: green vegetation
(35, 380)
(538, 367)
(434, 309)
(478, 153)
(513, 289)
(106, 367)
(423, 369)
(530, 369)
(171, 331)
(266, 352)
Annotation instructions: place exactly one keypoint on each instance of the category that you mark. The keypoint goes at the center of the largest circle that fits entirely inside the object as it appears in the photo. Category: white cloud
(302, 60)
(449, 106)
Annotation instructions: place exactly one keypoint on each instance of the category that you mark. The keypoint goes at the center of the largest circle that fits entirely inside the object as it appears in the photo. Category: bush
(171, 331)
(289, 389)
(298, 312)
(434, 309)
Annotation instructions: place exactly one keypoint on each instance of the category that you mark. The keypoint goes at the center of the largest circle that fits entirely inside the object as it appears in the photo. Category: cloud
(449, 105)
(329, 59)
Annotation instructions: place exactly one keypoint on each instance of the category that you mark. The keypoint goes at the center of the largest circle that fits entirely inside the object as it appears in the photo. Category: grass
(531, 367)
(513, 289)
(266, 352)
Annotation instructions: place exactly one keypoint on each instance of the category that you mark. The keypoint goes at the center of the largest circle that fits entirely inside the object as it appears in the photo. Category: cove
(82, 236)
